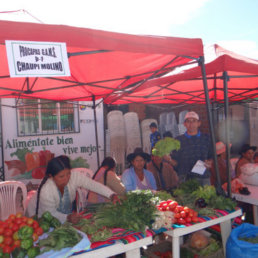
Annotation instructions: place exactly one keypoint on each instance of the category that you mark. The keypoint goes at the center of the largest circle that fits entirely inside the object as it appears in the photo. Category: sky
(233, 24)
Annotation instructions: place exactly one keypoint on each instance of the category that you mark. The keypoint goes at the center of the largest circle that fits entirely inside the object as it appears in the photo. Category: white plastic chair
(8, 194)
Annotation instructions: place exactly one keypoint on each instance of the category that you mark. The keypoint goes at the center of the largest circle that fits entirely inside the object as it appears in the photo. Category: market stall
(251, 199)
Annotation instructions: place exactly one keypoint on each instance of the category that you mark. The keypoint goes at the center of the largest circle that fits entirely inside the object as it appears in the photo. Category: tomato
(7, 249)
(1, 239)
(1, 230)
(39, 231)
(188, 219)
(12, 217)
(195, 219)
(186, 209)
(183, 214)
(163, 203)
(30, 221)
(24, 219)
(1, 245)
(18, 221)
(177, 215)
(190, 214)
(35, 224)
(176, 210)
(35, 237)
(172, 205)
(8, 232)
(181, 221)
(19, 215)
(8, 241)
(180, 208)
(15, 227)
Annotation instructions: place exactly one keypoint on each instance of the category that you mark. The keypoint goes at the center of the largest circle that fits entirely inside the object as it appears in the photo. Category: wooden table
(225, 226)
(132, 250)
(252, 199)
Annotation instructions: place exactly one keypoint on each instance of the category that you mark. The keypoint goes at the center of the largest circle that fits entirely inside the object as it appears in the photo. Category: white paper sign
(37, 59)
(199, 167)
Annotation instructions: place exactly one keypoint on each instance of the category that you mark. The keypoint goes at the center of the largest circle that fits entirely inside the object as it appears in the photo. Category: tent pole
(213, 142)
(225, 88)
(96, 128)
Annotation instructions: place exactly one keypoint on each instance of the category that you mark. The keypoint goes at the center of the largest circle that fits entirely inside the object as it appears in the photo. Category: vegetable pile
(136, 212)
(94, 231)
(18, 234)
(203, 199)
(182, 214)
(59, 238)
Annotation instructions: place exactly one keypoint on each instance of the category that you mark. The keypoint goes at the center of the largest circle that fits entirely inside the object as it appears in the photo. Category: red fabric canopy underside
(129, 59)
(187, 86)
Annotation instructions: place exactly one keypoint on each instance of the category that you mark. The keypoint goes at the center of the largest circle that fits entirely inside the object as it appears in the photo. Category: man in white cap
(194, 146)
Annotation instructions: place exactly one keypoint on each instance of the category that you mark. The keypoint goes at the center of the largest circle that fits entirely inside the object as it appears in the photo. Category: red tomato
(18, 221)
(8, 241)
(1, 230)
(176, 210)
(15, 227)
(190, 214)
(181, 221)
(180, 208)
(12, 217)
(35, 224)
(183, 214)
(39, 231)
(195, 219)
(177, 215)
(1, 245)
(24, 219)
(8, 232)
(172, 205)
(7, 249)
(186, 209)
(188, 219)
(163, 203)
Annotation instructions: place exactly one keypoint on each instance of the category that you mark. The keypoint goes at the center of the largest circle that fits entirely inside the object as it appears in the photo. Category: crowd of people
(57, 191)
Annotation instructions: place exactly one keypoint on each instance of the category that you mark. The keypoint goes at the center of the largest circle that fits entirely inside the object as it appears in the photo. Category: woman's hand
(74, 218)
(115, 199)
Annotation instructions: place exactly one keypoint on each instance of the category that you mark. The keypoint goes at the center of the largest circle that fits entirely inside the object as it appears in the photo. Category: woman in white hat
(222, 164)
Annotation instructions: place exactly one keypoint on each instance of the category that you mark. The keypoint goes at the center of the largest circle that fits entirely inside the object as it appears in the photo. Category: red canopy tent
(240, 73)
(101, 62)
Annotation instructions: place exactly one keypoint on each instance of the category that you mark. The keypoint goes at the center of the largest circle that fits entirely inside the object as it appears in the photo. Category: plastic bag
(237, 248)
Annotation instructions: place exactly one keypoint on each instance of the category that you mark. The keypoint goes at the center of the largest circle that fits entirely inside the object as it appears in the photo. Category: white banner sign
(37, 59)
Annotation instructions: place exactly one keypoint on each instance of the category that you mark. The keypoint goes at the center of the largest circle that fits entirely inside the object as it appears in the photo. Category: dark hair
(109, 162)
(153, 124)
(54, 166)
(167, 134)
(255, 154)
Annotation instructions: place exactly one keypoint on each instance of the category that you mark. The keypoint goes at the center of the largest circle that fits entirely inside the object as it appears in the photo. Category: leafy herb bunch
(135, 212)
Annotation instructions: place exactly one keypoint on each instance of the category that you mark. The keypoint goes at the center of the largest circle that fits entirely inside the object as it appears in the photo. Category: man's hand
(169, 160)
(207, 163)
